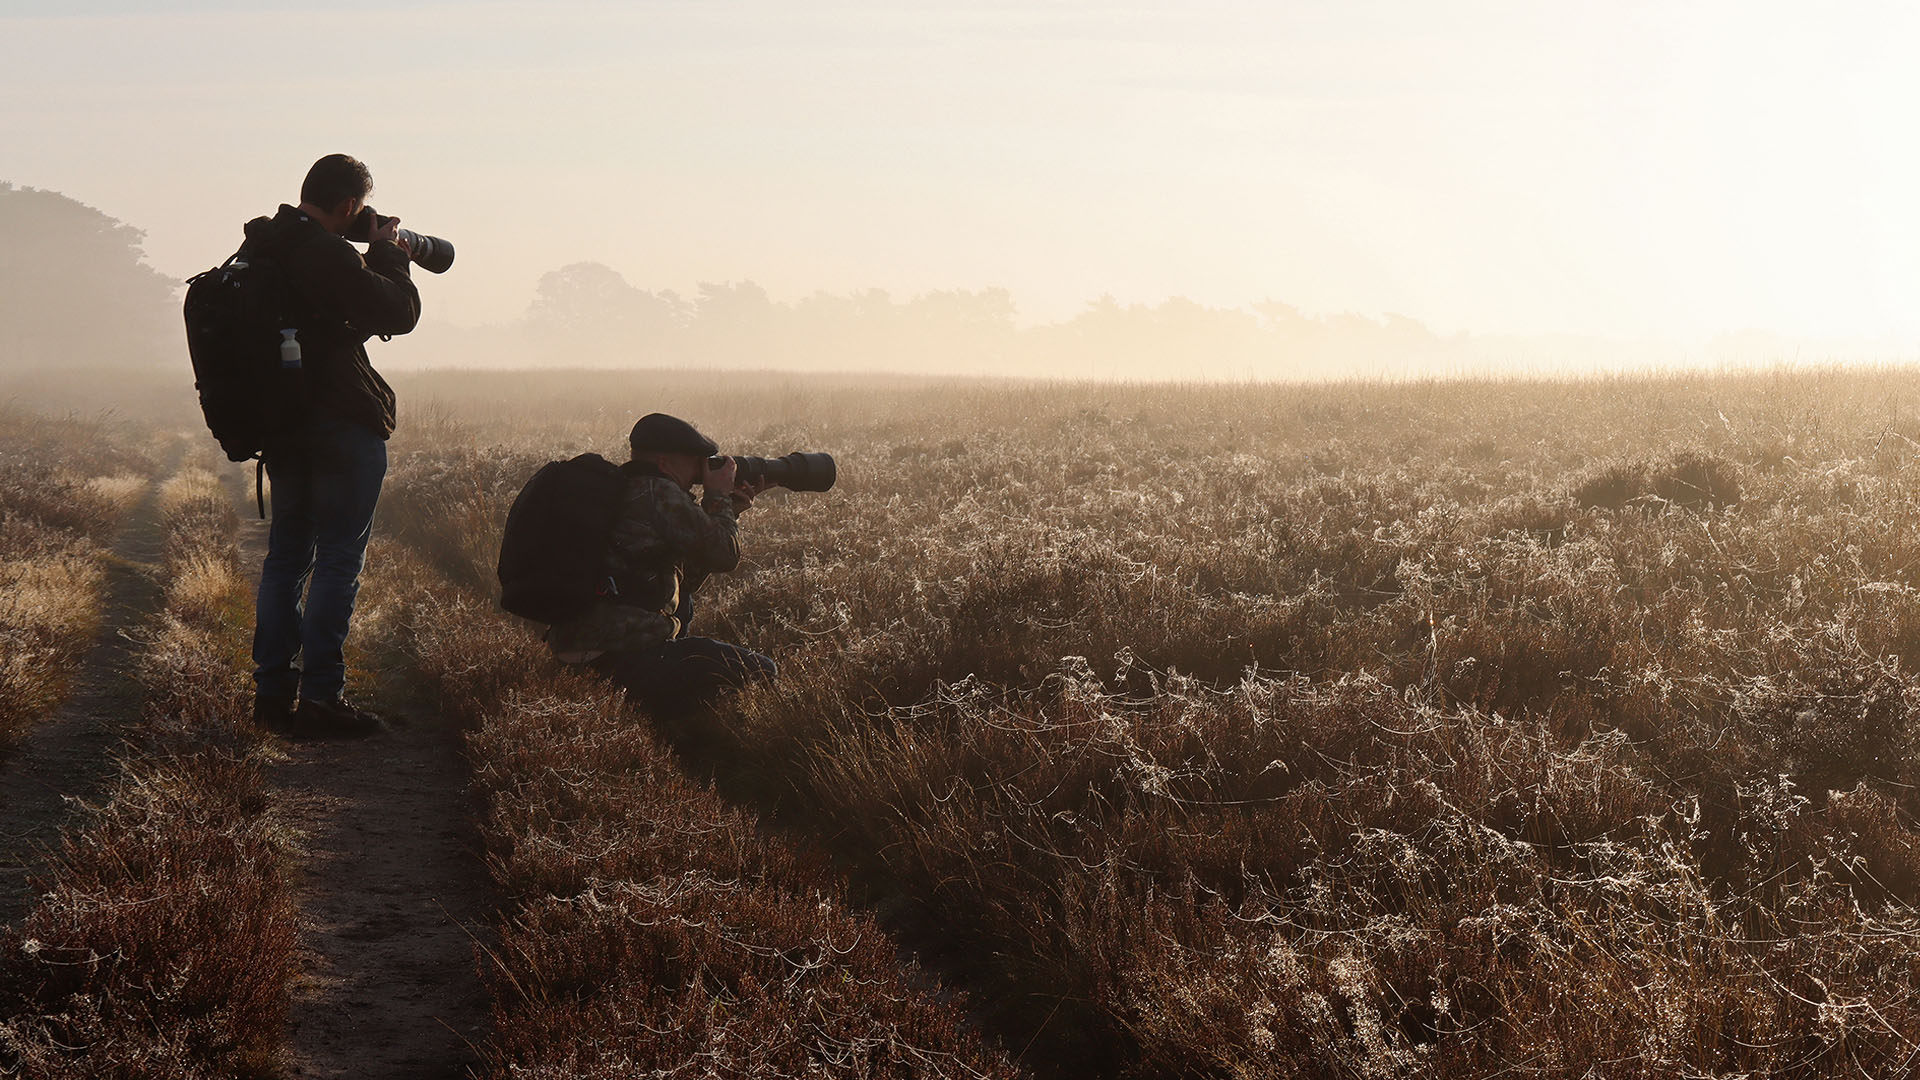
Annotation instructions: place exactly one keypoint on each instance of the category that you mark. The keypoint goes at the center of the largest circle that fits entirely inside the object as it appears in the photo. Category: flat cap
(658, 433)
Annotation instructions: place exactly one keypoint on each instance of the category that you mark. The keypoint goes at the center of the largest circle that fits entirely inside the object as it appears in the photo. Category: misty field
(1464, 729)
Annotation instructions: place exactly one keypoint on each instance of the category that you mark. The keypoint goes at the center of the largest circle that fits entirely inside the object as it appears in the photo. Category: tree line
(589, 314)
(76, 290)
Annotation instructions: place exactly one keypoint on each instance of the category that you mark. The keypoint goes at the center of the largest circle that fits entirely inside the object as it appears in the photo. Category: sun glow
(1640, 170)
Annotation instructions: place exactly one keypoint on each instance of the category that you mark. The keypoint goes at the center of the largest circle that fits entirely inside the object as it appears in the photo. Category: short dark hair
(335, 178)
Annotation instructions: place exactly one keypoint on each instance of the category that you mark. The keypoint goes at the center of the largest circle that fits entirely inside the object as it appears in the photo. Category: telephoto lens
(429, 253)
(795, 472)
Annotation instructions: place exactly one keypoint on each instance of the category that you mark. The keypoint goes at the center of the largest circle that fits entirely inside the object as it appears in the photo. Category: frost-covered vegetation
(1437, 730)
(1454, 730)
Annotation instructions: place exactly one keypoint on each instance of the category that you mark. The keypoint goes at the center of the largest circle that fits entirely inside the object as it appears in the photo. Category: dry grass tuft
(122, 491)
(49, 613)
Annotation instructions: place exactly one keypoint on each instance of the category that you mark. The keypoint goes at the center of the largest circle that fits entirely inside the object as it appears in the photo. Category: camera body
(429, 253)
(795, 471)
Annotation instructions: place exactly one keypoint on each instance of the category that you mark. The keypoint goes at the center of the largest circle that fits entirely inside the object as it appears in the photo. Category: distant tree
(987, 313)
(577, 296)
(736, 324)
(962, 330)
(75, 288)
(589, 308)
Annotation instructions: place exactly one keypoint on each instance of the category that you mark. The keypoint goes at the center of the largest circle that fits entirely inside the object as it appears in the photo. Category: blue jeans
(685, 673)
(326, 480)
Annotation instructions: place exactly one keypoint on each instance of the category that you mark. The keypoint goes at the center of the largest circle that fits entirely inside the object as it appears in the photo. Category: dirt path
(391, 889)
(70, 754)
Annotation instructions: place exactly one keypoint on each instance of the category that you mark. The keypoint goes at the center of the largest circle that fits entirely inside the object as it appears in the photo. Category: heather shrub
(1687, 477)
(159, 915)
(1697, 479)
(750, 982)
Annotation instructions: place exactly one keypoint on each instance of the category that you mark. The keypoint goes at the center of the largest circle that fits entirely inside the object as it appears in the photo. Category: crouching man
(664, 545)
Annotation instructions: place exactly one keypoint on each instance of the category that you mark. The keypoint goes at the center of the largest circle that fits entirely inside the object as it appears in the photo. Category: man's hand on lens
(747, 488)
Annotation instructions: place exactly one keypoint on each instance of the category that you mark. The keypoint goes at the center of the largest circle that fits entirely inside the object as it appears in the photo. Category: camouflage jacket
(664, 546)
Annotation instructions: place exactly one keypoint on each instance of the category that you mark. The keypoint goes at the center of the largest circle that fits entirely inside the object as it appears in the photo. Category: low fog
(78, 292)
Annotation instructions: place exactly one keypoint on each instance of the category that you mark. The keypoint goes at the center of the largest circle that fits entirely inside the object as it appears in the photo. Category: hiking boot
(272, 712)
(334, 719)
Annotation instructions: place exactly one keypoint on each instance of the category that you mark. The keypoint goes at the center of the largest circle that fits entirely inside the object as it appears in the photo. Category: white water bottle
(289, 350)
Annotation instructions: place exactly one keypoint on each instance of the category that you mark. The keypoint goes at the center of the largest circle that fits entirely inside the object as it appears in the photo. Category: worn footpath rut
(393, 895)
(69, 757)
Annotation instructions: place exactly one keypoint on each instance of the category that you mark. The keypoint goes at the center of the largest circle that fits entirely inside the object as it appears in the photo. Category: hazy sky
(1669, 168)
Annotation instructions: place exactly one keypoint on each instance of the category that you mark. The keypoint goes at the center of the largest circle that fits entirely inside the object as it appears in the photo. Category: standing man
(327, 467)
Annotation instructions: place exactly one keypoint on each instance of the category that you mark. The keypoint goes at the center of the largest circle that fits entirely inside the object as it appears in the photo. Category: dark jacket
(338, 300)
(664, 546)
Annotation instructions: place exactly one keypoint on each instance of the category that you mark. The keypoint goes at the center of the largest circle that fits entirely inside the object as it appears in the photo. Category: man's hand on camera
(385, 228)
(720, 481)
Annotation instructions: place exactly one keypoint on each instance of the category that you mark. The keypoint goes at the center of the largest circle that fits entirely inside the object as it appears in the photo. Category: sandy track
(391, 887)
(71, 754)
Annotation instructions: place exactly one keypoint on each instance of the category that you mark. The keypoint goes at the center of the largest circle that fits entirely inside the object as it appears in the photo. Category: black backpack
(553, 553)
(234, 315)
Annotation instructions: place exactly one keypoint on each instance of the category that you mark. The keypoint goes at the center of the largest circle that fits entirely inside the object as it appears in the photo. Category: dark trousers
(685, 673)
(326, 481)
